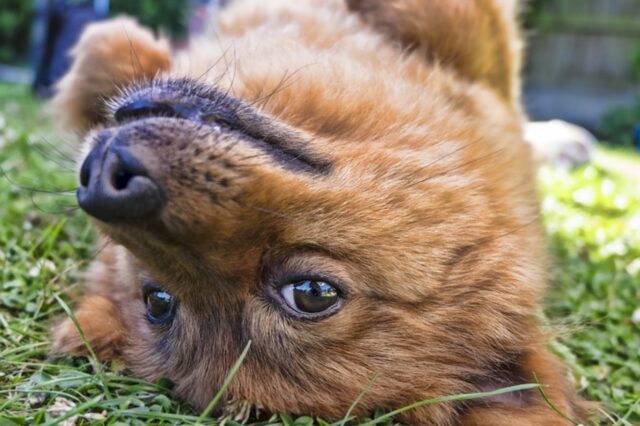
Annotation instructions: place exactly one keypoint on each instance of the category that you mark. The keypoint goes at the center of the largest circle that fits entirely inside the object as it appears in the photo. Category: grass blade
(460, 397)
(75, 411)
(552, 405)
(93, 357)
(357, 400)
(225, 385)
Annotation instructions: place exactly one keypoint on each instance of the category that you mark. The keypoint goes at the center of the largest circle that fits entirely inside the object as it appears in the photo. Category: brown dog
(344, 185)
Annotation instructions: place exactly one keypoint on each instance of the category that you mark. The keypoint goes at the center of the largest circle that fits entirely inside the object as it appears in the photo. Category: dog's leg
(99, 320)
(97, 314)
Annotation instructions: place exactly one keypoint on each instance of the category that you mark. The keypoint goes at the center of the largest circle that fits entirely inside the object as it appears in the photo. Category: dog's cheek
(101, 325)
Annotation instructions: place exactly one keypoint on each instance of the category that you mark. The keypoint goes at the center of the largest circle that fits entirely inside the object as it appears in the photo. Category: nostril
(121, 178)
(115, 185)
(85, 173)
(145, 108)
(124, 167)
(127, 166)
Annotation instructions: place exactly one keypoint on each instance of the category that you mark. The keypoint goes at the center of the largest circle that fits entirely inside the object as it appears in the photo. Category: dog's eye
(160, 306)
(310, 297)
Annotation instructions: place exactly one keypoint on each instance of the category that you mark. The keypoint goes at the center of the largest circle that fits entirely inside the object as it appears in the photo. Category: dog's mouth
(211, 108)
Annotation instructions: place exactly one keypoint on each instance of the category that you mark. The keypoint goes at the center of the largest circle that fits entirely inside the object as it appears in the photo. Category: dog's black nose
(143, 108)
(115, 186)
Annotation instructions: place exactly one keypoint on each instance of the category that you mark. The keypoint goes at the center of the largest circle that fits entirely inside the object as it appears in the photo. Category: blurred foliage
(15, 28)
(536, 14)
(165, 15)
(635, 61)
(592, 218)
(618, 125)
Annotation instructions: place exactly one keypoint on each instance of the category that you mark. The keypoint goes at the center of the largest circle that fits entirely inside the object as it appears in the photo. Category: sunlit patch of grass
(592, 216)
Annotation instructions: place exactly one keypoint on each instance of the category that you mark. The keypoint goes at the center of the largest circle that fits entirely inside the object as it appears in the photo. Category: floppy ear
(97, 314)
(477, 38)
(108, 56)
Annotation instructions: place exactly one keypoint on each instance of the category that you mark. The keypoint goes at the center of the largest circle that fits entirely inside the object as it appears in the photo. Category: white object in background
(560, 143)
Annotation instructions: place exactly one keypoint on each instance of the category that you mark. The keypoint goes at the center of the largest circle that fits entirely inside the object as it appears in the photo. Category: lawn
(592, 217)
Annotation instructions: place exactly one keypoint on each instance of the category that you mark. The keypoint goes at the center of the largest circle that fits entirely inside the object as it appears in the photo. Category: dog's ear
(109, 56)
(97, 314)
(477, 38)
(536, 365)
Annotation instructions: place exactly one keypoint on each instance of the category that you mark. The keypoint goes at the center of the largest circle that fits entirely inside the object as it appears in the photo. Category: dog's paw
(99, 321)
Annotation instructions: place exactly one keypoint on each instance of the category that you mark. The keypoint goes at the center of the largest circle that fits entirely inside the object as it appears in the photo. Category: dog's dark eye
(310, 297)
(160, 306)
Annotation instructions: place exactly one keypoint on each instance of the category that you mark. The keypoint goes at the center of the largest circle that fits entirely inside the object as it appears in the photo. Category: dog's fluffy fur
(426, 212)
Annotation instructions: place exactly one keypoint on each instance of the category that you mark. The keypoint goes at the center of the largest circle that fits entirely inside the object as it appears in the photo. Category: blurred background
(36, 35)
(583, 65)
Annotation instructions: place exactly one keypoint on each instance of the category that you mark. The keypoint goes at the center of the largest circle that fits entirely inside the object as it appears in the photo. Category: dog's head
(346, 206)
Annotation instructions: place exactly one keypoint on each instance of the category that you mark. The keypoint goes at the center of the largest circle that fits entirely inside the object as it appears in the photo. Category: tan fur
(428, 214)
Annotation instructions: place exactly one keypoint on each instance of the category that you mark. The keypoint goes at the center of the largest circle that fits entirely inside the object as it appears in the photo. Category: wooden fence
(580, 59)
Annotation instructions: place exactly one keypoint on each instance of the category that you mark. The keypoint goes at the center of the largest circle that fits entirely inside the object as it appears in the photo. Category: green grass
(592, 217)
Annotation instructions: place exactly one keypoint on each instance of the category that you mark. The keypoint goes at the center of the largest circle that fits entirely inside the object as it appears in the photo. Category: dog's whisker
(63, 156)
(4, 174)
(270, 212)
(47, 156)
(263, 100)
(67, 210)
(202, 77)
(455, 169)
(230, 88)
(133, 53)
(103, 245)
